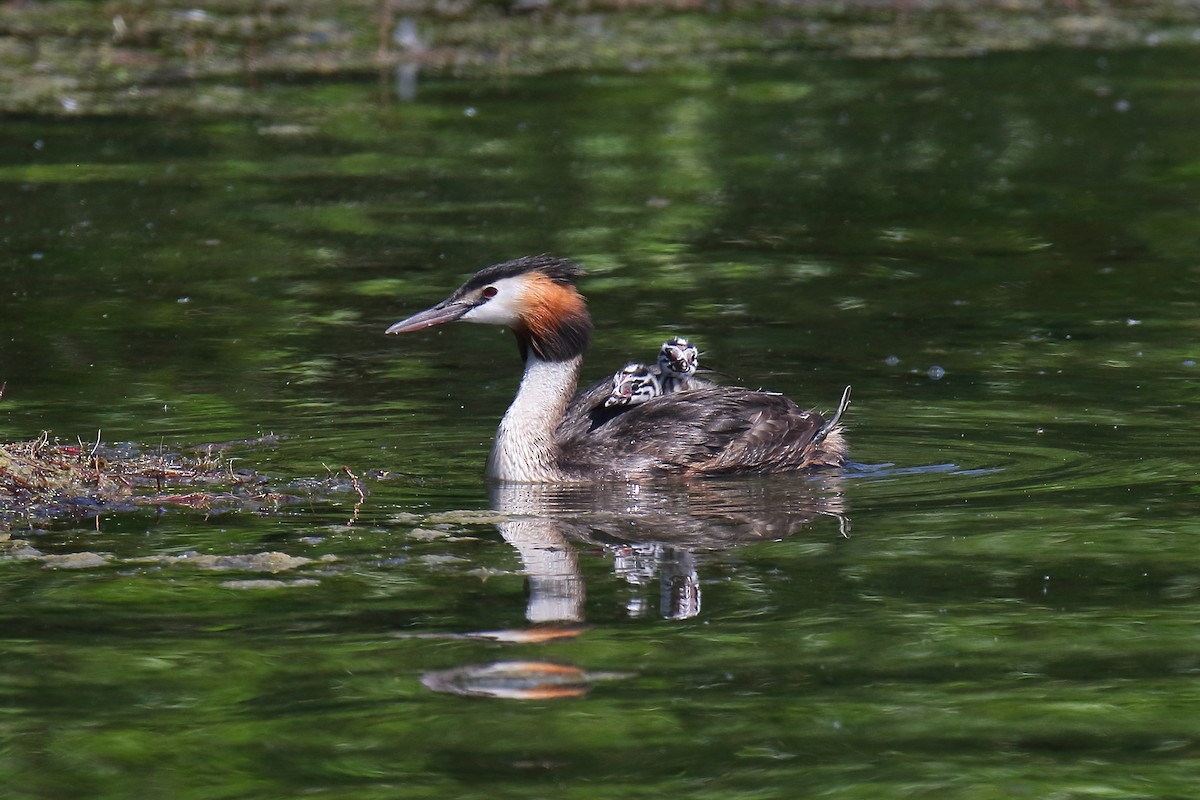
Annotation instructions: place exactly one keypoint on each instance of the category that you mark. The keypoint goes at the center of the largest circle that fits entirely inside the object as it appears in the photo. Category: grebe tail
(548, 436)
(833, 424)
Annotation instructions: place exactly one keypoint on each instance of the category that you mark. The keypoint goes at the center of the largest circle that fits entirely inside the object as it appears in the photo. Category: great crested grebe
(546, 436)
(633, 384)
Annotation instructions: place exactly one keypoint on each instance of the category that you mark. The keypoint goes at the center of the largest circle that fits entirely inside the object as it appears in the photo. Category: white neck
(524, 450)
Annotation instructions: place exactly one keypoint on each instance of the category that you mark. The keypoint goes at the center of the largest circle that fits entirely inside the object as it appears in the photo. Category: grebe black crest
(632, 385)
(551, 434)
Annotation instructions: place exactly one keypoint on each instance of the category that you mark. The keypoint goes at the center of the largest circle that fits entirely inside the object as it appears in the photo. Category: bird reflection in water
(642, 565)
(656, 532)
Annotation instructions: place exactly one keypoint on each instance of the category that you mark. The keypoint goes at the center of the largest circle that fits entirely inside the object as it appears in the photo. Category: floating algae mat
(42, 479)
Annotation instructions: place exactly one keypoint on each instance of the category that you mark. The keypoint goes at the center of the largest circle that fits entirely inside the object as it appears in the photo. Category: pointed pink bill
(438, 315)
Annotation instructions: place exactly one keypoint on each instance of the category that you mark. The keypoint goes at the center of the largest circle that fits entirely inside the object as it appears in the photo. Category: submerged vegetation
(131, 55)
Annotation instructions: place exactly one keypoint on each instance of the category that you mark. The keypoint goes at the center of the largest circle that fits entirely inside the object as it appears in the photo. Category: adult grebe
(546, 436)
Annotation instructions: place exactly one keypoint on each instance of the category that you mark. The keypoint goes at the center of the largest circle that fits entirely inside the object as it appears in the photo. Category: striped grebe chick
(636, 383)
(551, 434)
(678, 360)
(633, 384)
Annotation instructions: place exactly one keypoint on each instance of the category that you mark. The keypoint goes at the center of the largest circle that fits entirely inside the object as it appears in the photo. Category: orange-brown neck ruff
(554, 322)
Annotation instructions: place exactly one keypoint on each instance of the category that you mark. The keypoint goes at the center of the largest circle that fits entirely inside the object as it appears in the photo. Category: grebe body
(551, 434)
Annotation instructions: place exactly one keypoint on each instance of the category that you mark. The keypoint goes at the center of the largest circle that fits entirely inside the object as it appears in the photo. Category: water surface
(999, 254)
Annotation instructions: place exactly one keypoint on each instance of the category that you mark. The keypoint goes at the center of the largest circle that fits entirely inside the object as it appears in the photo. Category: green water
(1000, 601)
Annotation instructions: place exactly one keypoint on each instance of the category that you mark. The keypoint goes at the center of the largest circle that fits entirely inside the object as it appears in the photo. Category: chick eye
(489, 292)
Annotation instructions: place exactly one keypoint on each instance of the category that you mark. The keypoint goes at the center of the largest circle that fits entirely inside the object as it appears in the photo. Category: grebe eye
(489, 292)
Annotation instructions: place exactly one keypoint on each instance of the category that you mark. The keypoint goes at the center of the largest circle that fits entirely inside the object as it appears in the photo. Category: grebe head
(633, 384)
(678, 358)
(534, 296)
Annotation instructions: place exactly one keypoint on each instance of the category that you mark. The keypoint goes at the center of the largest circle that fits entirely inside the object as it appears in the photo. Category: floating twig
(356, 484)
(362, 495)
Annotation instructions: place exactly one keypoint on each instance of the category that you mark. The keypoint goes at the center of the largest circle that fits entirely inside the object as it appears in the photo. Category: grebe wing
(587, 410)
(713, 430)
(768, 433)
(587, 399)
